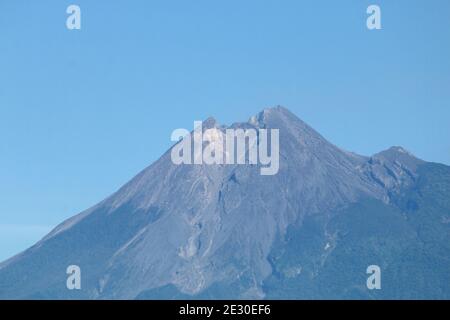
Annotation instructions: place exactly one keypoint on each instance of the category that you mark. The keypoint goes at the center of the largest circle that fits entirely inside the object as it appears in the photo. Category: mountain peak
(209, 123)
(397, 150)
(400, 155)
(266, 113)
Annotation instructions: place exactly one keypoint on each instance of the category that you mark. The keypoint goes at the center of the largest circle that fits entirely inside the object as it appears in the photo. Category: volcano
(227, 232)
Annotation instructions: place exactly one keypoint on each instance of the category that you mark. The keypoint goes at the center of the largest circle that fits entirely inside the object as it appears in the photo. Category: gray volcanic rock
(225, 231)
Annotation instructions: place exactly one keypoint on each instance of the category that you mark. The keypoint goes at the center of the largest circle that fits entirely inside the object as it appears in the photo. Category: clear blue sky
(81, 112)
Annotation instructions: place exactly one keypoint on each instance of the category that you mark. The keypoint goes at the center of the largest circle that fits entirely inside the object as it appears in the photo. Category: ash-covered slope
(225, 231)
